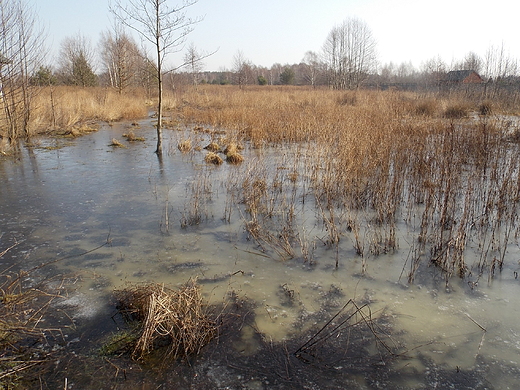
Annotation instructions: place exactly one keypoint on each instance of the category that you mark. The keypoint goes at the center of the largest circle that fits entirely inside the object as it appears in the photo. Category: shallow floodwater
(172, 219)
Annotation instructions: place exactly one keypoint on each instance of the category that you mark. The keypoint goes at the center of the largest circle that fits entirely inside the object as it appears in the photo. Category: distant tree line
(347, 60)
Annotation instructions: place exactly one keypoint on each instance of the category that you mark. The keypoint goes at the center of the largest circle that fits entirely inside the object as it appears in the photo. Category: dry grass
(56, 108)
(23, 315)
(212, 147)
(234, 157)
(184, 146)
(115, 143)
(369, 159)
(131, 137)
(213, 158)
(175, 319)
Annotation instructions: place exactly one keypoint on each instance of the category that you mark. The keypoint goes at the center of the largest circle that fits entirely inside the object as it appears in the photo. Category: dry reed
(131, 137)
(117, 144)
(184, 146)
(175, 319)
(55, 108)
(213, 158)
(371, 159)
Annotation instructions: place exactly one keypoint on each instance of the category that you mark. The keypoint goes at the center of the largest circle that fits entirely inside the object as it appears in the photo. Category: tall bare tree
(312, 67)
(350, 54)
(193, 63)
(242, 69)
(163, 26)
(121, 58)
(77, 61)
(21, 52)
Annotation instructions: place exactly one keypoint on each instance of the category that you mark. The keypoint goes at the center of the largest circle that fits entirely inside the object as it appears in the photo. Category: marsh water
(171, 219)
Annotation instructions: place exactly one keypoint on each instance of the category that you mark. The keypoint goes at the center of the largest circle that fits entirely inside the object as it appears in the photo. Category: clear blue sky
(281, 31)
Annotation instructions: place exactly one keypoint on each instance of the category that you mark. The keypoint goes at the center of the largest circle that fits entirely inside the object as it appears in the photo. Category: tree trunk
(159, 82)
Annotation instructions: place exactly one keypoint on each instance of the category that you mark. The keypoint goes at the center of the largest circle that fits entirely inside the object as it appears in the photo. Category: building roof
(459, 75)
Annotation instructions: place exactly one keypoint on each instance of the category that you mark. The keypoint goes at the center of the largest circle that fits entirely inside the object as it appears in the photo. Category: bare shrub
(427, 107)
(456, 111)
(485, 108)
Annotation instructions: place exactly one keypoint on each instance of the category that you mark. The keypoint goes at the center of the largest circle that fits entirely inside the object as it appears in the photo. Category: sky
(282, 31)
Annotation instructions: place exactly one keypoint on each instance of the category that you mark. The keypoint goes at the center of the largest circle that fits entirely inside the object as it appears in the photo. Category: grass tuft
(173, 319)
(213, 158)
(184, 146)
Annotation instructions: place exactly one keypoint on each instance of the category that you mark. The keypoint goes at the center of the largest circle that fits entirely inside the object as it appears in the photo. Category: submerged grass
(369, 160)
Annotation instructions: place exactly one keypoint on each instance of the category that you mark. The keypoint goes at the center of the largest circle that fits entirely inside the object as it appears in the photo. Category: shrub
(456, 111)
(485, 108)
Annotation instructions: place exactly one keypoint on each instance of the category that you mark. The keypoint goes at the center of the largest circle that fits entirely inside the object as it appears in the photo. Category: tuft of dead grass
(175, 319)
(116, 144)
(184, 146)
(456, 110)
(212, 147)
(234, 158)
(131, 137)
(213, 158)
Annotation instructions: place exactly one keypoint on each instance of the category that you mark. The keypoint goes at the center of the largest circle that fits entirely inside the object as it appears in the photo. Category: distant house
(455, 77)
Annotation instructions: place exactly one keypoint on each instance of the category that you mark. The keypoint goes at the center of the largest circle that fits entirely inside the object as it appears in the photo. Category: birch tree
(349, 52)
(21, 52)
(163, 26)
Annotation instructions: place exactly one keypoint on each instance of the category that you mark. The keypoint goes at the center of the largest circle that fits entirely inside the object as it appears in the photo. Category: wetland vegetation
(367, 238)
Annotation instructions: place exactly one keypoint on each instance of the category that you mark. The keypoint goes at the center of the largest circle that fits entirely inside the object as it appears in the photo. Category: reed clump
(456, 110)
(131, 137)
(234, 157)
(213, 158)
(116, 144)
(212, 147)
(175, 321)
(184, 146)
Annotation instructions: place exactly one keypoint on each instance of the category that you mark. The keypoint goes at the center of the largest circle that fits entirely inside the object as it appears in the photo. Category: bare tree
(242, 69)
(193, 63)
(121, 58)
(349, 52)
(499, 66)
(165, 27)
(21, 53)
(312, 68)
(77, 62)
(472, 62)
(434, 71)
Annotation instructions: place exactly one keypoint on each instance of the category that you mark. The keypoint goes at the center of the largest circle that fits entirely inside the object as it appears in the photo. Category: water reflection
(65, 201)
